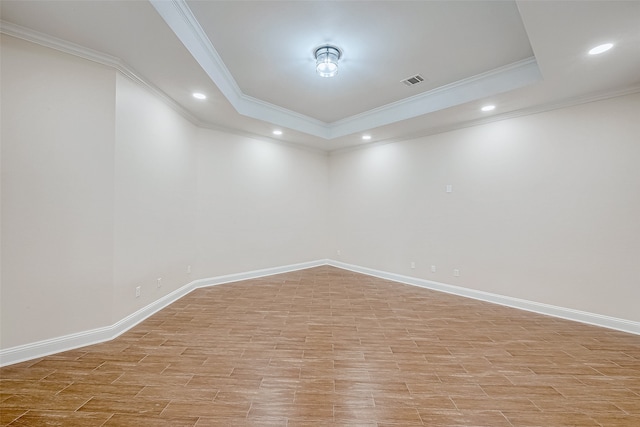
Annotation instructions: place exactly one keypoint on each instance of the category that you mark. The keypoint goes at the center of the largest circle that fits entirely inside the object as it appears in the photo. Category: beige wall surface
(544, 207)
(259, 204)
(105, 188)
(155, 198)
(57, 193)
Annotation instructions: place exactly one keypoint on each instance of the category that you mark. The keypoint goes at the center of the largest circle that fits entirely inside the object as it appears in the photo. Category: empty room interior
(320, 213)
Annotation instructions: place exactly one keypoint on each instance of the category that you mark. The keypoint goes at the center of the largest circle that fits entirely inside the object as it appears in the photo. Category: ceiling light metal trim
(327, 58)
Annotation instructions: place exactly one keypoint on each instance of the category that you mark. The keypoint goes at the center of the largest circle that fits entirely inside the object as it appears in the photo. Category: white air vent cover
(413, 80)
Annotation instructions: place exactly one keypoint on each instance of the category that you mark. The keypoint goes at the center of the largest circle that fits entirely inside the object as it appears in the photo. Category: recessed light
(277, 132)
(601, 49)
(198, 95)
(366, 137)
(488, 108)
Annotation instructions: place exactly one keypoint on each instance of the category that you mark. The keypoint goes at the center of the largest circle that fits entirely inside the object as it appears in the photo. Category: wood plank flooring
(328, 347)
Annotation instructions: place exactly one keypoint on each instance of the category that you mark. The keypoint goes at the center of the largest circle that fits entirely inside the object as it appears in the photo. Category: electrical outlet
(449, 188)
(456, 272)
(433, 268)
(138, 291)
(159, 281)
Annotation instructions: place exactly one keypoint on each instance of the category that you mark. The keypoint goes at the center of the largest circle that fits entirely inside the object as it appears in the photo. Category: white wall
(217, 202)
(260, 204)
(106, 188)
(544, 208)
(155, 198)
(57, 193)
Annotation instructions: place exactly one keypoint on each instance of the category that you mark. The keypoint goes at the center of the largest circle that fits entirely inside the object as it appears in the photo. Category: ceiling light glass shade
(327, 60)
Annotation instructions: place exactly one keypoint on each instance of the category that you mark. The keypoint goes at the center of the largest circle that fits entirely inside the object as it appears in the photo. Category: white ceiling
(254, 59)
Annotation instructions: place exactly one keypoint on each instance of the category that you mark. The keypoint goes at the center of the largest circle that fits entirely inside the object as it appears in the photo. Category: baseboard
(536, 307)
(47, 347)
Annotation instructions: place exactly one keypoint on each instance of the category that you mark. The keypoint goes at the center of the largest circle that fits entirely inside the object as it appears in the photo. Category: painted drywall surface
(57, 193)
(155, 198)
(260, 204)
(543, 208)
(105, 188)
(213, 201)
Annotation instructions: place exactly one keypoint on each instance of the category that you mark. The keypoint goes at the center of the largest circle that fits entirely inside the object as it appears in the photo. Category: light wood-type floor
(327, 347)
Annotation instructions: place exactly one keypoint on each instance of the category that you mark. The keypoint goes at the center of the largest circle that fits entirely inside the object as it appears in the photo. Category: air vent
(413, 80)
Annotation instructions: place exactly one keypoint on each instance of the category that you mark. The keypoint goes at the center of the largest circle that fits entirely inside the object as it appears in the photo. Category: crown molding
(270, 140)
(83, 52)
(557, 105)
(492, 82)
(181, 20)
(537, 109)
(517, 74)
(116, 63)
(61, 45)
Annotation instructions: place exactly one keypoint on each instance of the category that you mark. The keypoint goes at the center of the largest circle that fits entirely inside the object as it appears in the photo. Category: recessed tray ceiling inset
(260, 55)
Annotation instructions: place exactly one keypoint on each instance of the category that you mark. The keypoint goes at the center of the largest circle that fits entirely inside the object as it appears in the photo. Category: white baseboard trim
(47, 347)
(536, 307)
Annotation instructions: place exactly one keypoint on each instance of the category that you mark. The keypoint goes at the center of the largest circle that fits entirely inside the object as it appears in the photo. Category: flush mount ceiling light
(277, 132)
(366, 137)
(197, 95)
(488, 108)
(327, 60)
(601, 49)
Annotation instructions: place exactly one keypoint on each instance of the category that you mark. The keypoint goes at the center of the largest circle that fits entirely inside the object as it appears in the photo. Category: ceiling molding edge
(181, 20)
(61, 45)
(101, 58)
(119, 65)
(492, 82)
(64, 46)
(537, 109)
(263, 138)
